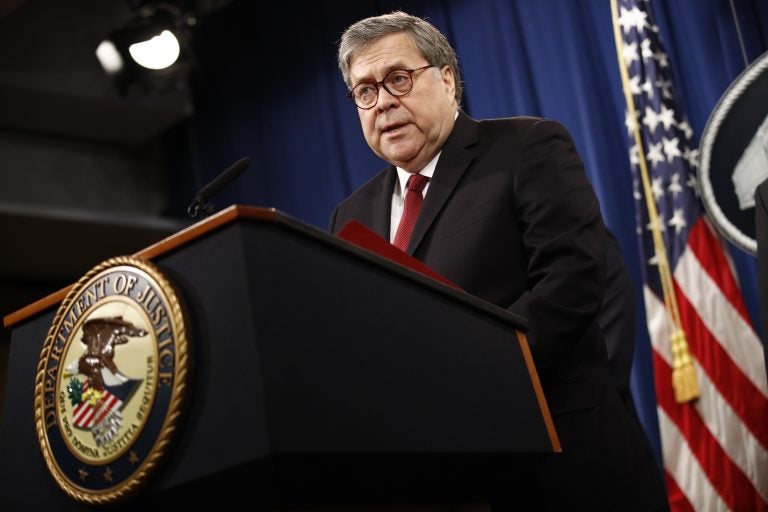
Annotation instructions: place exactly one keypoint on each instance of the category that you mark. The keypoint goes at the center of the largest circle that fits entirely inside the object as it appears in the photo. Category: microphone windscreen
(224, 178)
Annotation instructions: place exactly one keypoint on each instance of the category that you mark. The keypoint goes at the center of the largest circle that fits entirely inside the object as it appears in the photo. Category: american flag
(714, 447)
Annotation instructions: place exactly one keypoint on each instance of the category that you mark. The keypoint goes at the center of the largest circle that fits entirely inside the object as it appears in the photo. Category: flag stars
(678, 220)
(655, 156)
(691, 156)
(661, 57)
(632, 18)
(666, 117)
(648, 88)
(666, 133)
(629, 52)
(645, 49)
(675, 187)
(657, 188)
(651, 119)
(691, 182)
(666, 88)
(630, 122)
(686, 129)
(671, 148)
(653, 225)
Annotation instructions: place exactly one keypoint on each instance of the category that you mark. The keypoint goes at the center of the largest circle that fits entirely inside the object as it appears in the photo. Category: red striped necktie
(411, 209)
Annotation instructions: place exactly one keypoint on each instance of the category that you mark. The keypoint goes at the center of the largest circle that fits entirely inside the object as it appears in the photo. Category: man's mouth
(392, 128)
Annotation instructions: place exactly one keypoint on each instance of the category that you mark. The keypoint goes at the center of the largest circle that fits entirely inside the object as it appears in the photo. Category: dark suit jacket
(617, 321)
(511, 218)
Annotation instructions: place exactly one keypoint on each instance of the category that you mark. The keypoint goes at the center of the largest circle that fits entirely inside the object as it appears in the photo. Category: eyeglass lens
(397, 83)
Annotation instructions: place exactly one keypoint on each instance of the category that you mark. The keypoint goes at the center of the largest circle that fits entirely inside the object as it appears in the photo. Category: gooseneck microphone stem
(201, 206)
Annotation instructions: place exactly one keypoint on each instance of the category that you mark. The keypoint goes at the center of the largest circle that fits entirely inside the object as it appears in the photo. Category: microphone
(200, 206)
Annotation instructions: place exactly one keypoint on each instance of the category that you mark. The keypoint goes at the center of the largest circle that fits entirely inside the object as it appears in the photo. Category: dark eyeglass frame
(382, 83)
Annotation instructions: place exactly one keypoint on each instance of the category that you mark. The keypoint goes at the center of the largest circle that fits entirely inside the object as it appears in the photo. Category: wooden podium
(324, 376)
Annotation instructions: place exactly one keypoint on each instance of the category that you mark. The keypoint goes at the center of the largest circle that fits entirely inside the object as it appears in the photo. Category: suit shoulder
(368, 189)
(522, 128)
(519, 123)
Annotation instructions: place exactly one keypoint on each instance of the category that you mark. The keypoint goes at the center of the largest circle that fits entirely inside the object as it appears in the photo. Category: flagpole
(683, 371)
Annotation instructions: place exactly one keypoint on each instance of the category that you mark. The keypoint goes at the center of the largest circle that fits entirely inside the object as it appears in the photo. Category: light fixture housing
(149, 53)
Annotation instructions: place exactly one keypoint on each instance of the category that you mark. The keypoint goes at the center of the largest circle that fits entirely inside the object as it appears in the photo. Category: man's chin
(399, 156)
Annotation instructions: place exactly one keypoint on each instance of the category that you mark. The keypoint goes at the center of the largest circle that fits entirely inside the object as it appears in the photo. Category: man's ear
(449, 81)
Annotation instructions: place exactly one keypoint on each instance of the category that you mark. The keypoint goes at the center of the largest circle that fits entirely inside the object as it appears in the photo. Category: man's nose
(386, 100)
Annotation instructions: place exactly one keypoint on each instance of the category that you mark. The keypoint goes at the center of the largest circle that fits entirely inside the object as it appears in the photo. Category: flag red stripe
(710, 254)
(86, 419)
(731, 483)
(677, 500)
(79, 412)
(742, 395)
(79, 407)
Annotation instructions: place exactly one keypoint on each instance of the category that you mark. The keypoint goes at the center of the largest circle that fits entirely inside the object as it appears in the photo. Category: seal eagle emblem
(99, 398)
(111, 381)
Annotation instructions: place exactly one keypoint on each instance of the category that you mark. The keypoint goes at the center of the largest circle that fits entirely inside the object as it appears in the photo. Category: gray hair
(430, 42)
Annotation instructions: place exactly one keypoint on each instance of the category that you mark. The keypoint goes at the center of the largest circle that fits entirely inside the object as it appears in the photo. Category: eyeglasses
(398, 82)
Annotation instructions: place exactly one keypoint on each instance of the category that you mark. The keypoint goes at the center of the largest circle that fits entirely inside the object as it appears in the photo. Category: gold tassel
(683, 372)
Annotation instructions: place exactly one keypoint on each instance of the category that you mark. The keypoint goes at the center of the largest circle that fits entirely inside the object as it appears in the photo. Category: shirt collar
(403, 175)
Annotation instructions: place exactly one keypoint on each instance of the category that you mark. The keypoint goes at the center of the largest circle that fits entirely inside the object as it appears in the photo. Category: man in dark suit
(509, 215)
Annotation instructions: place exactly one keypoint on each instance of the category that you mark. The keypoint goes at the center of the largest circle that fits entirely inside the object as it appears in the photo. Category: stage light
(109, 57)
(150, 51)
(159, 52)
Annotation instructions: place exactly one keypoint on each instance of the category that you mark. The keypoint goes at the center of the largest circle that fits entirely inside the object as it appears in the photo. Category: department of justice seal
(111, 381)
(734, 155)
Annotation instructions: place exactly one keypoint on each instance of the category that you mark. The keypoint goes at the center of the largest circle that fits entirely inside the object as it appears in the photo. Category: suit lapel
(457, 154)
(382, 204)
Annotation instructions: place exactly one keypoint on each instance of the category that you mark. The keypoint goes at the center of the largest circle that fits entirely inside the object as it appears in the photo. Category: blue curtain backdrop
(268, 87)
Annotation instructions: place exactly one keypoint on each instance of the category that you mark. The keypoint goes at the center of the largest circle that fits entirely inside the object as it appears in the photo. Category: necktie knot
(416, 183)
